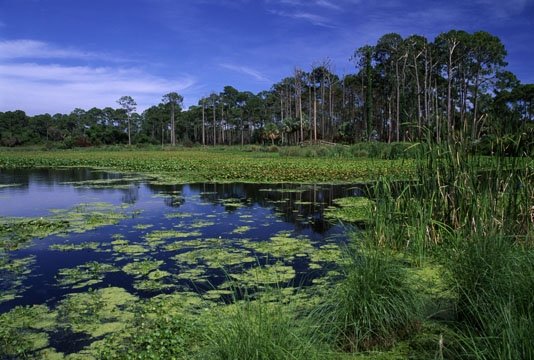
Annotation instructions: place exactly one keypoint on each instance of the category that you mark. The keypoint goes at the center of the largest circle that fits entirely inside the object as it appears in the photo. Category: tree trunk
(314, 115)
(214, 127)
(173, 131)
(203, 125)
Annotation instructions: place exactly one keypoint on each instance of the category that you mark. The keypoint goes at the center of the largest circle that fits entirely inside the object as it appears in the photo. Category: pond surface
(100, 230)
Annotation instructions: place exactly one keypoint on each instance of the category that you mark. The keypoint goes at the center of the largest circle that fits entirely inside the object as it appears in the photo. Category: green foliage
(494, 281)
(350, 209)
(375, 150)
(16, 233)
(164, 337)
(218, 165)
(374, 305)
(261, 330)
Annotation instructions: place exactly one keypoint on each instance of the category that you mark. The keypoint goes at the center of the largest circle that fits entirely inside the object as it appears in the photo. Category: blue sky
(56, 55)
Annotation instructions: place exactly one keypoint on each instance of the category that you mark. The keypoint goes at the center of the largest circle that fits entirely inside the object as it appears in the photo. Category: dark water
(199, 211)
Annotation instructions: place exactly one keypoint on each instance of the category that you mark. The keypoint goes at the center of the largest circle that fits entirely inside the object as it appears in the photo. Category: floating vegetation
(232, 203)
(178, 215)
(177, 303)
(97, 312)
(172, 200)
(284, 191)
(92, 245)
(13, 273)
(197, 274)
(16, 233)
(195, 243)
(158, 237)
(326, 253)
(264, 275)
(84, 275)
(124, 247)
(143, 226)
(215, 257)
(201, 224)
(282, 245)
(151, 285)
(117, 183)
(23, 330)
(216, 294)
(141, 268)
(158, 274)
(242, 229)
(350, 209)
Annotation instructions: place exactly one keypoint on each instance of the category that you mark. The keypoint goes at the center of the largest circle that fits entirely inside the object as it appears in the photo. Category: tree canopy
(402, 89)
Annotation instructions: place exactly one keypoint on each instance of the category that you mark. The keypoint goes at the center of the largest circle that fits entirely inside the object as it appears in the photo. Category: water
(197, 237)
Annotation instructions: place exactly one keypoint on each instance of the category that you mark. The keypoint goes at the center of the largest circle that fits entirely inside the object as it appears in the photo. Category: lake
(100, 230)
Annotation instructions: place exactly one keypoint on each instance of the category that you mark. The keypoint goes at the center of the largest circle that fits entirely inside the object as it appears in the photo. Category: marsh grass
(261, 329)
(495, 282)
(471, 214)
(374, 305)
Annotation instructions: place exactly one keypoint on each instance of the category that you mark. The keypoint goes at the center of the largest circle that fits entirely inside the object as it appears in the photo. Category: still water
(150, 238)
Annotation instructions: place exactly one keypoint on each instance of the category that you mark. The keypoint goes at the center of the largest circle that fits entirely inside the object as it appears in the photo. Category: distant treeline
(404, 89)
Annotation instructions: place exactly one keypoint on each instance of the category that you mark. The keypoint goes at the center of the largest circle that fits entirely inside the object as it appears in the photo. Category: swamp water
(80, 249)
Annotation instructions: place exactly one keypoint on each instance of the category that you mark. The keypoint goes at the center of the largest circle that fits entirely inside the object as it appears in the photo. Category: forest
(403, 89)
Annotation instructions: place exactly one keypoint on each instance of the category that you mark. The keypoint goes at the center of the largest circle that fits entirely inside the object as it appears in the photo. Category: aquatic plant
(264, 275)
(350, 209)
(207, 165)
(141, 268)
(282, 245)
(84, 275)
(97, 312)
(215, 257)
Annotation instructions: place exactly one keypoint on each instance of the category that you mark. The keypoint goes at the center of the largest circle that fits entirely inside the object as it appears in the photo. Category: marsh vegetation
(431, 260)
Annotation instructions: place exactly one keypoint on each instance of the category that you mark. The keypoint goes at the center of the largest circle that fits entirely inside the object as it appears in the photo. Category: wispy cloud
(247, 71)
(504, 9)
(38, 88)
(314, 19)
(34, 49)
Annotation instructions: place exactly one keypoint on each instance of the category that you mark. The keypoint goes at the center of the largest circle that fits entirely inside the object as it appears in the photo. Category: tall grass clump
(473, 215)
(374, 305)
(495, 283)
(262, 330)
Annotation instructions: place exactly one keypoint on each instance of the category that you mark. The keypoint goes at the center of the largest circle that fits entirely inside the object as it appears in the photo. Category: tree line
(403, 89)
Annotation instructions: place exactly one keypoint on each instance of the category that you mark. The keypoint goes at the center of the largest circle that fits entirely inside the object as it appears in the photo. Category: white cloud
(247, 71)
(34, 49)
(504, 9)
(314, 19)
(37, 88)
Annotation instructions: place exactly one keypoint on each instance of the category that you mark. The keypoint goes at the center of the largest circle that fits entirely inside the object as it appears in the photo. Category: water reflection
(185, 228)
